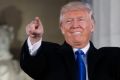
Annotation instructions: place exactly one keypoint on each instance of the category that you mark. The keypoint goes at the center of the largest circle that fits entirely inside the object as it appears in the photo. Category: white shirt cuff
(33, 48)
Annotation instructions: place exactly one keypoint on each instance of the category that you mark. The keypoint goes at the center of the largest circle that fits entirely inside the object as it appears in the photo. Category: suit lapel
(92, 60)
(69, 59)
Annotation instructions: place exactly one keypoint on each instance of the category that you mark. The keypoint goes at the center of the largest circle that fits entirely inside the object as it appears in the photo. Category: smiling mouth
(76, 33)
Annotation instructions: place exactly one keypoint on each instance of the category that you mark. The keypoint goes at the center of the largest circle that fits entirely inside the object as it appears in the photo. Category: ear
(61, 28)
(92, 26)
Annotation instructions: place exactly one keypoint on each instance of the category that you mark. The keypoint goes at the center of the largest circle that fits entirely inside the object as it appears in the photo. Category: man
(50, 61)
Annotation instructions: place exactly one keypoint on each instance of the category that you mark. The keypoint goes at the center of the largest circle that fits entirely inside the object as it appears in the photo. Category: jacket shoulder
(109, 50)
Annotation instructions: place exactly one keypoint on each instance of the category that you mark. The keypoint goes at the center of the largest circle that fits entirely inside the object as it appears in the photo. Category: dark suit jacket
(55, 62)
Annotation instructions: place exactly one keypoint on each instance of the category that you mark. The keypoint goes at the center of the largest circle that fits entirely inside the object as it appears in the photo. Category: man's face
(76, 27)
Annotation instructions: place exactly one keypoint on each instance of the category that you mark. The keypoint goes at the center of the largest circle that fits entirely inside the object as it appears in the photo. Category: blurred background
(18, 13)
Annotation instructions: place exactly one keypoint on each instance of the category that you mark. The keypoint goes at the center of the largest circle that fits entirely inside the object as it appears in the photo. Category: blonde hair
(76, 5)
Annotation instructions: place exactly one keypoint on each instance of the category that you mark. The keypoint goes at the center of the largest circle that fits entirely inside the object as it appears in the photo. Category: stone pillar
(107, 30)
(115, 23)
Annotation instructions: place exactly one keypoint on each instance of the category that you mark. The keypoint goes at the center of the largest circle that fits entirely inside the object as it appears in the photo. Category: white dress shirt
(33, 48)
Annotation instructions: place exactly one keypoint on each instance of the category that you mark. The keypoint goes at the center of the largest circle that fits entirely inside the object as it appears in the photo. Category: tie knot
(79, 52)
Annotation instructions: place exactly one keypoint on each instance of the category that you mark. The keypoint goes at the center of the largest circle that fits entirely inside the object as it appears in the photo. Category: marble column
(107, 23)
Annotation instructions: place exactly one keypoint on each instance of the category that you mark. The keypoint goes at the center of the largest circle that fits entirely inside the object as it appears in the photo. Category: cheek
(83, 25)
(64, 30)
(88, 28)
(67, 35)
(87, 34)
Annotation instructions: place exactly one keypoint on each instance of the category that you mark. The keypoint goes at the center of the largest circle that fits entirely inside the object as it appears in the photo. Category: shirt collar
(85, 49)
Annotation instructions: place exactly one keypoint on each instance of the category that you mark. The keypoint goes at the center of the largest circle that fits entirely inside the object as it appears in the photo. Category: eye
(68, 21)
(81, 19)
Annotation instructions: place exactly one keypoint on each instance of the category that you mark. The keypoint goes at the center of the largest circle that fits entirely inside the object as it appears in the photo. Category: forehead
(76, 13)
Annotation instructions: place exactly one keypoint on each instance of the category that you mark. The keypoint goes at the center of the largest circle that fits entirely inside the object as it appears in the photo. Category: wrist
(34, 40)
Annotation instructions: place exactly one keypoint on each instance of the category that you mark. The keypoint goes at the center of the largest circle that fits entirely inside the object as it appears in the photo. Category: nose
(75, 24)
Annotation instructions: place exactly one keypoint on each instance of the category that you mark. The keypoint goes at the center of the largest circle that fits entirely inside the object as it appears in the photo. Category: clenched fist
(35, 30)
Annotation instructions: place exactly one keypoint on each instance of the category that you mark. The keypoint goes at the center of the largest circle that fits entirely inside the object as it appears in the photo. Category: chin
(77, 45)
(77, 40)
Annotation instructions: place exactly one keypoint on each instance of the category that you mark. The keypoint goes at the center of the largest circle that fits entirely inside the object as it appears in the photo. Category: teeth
(76, 33)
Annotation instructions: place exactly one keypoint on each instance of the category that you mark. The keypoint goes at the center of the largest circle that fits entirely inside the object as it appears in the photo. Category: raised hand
(35, 30)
